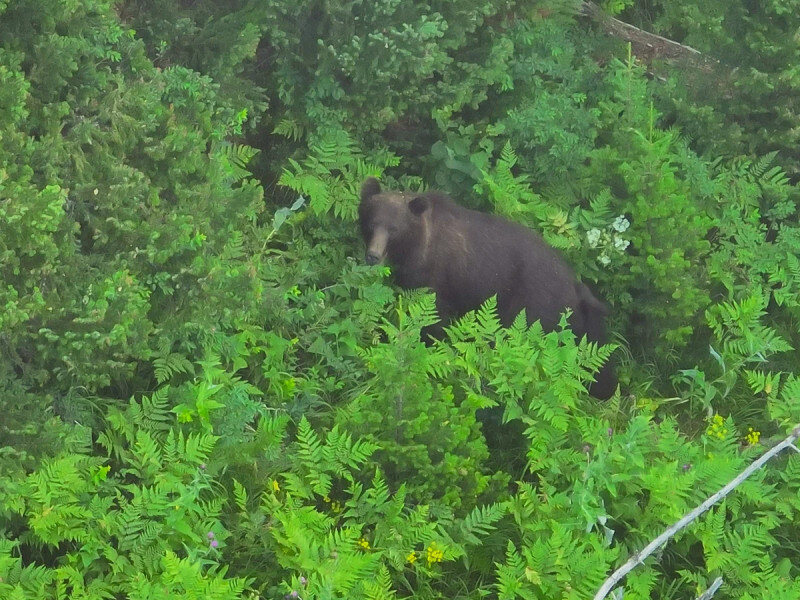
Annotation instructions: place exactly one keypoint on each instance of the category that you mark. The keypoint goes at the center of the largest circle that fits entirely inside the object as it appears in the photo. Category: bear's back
(479, 254)
(487, 232)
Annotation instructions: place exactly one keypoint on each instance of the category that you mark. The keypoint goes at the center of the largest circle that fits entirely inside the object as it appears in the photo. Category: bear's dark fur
(467, 256)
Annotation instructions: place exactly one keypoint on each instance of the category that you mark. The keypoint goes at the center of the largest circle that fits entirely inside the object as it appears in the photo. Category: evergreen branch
(639, 557)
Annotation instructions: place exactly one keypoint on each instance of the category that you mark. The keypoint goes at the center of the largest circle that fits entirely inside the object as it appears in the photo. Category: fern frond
(290, 128)
(166, 366)
(794, 269)
(480, 522)
(488, 319)
(309, 445)
(759, 168)
(380, 588)
(422, 311)
(146, 458)
(197, 447)
(234, 246)
(512, 575)
(234, 159)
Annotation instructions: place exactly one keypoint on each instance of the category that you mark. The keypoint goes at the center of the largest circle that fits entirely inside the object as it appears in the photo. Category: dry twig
(711, 590)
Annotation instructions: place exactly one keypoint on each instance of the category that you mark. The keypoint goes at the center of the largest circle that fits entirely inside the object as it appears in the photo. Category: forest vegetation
(205, 393)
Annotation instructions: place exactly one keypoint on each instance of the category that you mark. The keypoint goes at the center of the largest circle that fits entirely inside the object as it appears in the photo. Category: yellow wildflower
(412, 557)
(717, 427)
(275, 485)
(752, 436)
(433, 555)
(363, 543)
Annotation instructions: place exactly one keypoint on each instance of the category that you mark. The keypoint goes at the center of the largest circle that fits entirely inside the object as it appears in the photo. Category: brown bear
(466, 256)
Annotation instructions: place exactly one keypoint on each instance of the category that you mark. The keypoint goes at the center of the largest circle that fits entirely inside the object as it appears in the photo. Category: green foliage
(659, 282)
(116, 198)
(332, 174)
(134, 521)
(408, 405)
(205, 394)
(748, 103)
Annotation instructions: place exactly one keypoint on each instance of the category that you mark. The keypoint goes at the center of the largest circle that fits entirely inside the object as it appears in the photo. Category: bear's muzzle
(376, 249)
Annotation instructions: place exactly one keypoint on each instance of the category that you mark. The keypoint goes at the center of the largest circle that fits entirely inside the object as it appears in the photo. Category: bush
(206, 394)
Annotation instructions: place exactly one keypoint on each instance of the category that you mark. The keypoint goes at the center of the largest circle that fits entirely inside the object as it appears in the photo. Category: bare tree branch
(712, 590)
(639, 557)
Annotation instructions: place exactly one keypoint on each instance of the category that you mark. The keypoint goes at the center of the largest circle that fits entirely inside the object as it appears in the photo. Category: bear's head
(392, 223)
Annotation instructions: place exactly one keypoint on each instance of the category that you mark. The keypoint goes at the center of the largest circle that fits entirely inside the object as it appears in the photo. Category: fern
(760, 381)
(343, 454)
(488, 319)
(240, 496)
(480, 522)
(234, 246)
(27, 581)
(167, 366)
(786, 287)
(146, 456)
(512, 575)
(381, 587)
(785, 408)
(310, 449)
(600, 211)
(233, 159)
(418, 312)
(290, 128)
(744, 337)
(439, 363)
(194, 449)
(151, 413)
(510, 194)
(760, 171)
(185, 577)
(379, 493)
(332, 173)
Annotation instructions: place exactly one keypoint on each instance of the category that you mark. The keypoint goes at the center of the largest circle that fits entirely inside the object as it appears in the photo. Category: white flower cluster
(621, 224)
(609, 240)
(593, 237)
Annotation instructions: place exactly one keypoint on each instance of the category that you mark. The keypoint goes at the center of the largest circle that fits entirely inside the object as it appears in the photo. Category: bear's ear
(369, 188)
(418, 205)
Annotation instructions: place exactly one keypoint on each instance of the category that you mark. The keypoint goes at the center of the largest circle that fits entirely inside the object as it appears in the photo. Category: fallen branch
(711, 590)
(639, 557)
(646, 45)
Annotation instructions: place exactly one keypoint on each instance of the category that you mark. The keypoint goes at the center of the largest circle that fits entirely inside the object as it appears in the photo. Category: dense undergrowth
(206, 394)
